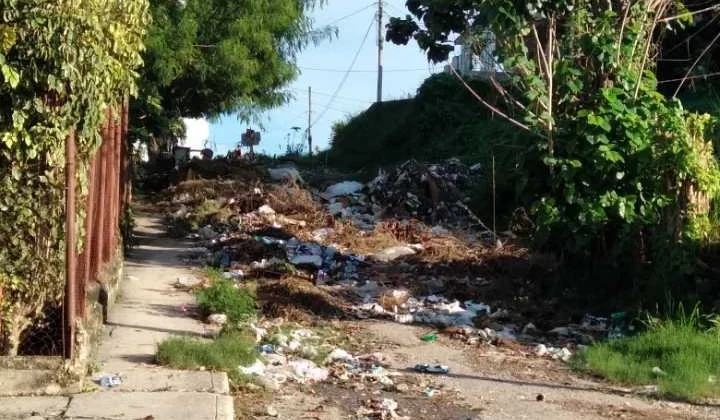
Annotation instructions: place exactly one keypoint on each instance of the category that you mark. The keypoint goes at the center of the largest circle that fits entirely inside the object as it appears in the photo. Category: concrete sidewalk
(148, 310)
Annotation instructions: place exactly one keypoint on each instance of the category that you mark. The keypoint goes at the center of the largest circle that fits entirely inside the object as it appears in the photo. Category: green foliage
(62, 63)
(225, 353)
(685, 347)
(223, 297)
(442, 121)
(631, 174)
(205, 58)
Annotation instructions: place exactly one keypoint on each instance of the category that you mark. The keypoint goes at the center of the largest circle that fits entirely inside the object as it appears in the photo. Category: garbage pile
(433, 193)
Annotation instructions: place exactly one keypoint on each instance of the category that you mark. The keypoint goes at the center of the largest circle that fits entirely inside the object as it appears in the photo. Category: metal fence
(108, 194)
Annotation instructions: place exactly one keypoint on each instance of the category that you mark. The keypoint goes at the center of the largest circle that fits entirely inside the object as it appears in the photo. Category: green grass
(689, 356)
(224, 354)
(222, 297)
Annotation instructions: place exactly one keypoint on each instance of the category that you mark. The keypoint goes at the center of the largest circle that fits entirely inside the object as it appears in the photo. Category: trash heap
(288, 356)
(434, 193)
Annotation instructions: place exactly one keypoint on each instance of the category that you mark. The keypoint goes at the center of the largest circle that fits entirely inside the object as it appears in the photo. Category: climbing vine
(631, 174)
(62, 64)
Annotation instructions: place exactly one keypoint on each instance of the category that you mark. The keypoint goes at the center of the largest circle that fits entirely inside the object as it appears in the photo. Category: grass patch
(688, 355)
(223, 297)
(225, 353)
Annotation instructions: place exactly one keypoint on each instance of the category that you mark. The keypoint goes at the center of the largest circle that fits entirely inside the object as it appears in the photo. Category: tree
(630, 173)
(206, 58)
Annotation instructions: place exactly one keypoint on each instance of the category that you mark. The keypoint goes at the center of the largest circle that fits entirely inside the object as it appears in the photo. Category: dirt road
(484, 383)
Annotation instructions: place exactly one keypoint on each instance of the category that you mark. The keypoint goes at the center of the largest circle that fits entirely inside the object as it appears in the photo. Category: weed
(226, 353)
(223, 297)
(687, 355)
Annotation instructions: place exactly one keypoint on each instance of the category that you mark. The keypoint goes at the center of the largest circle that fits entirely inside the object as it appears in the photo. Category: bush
(223, 297)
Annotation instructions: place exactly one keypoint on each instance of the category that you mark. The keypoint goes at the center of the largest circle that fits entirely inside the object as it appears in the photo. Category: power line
(357, 12)
(345, 77)
(329, 70)
(363, 101)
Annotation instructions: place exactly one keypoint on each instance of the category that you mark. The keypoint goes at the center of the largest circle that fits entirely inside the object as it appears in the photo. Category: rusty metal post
(97, 258)
(85, 275)
(109, 207)
(123, 157)
(70, 262)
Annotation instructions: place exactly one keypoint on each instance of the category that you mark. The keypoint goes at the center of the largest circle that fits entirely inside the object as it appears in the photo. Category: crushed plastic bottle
(434, 369)
(110, 381)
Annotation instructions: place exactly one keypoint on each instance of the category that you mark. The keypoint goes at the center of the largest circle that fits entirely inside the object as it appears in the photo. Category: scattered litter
(659, 372)
(186, 282)
(109, 381)
(285, 174)
(392, 254)
(430, 392)
(540, 398)
(257, 368)
(434, 369)
(429, 338)
(266, 210)
(305, 370)
(266, 349)
(343, 188)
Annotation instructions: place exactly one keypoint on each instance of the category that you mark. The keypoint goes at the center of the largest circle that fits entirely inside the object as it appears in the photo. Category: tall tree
(205, 58)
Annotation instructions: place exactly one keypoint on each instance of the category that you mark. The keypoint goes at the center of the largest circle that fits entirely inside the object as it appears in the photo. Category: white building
(477, 56)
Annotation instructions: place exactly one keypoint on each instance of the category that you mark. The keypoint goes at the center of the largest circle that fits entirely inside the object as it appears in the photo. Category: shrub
(223, 297)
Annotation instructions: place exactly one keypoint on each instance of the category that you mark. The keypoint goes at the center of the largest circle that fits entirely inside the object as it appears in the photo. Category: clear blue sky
(405, 69)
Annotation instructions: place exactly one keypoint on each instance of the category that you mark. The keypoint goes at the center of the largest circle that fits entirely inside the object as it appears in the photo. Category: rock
(482, 335)
(217, 319)
(271, 411)
(392, 254)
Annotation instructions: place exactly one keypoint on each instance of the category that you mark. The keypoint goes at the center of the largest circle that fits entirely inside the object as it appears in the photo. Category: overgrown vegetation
(680, 354)
(50, 86)
(223, 297)
(225, 353)
(629, 175)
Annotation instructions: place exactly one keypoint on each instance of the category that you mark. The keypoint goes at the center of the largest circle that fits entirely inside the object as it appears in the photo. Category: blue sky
(323, 67)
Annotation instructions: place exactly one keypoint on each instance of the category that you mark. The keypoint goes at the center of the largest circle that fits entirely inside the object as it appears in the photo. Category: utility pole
(309, 133)
(380, 51)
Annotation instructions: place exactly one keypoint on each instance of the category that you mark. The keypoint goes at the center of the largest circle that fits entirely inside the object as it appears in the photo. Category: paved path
(148, 310)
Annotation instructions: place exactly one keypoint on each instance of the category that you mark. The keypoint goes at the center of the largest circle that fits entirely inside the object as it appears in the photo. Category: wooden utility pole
(309, 133)
(380, 51)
